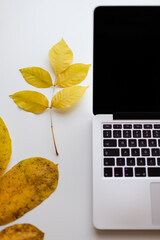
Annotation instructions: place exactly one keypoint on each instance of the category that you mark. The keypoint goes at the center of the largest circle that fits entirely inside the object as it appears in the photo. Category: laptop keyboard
(131, 150)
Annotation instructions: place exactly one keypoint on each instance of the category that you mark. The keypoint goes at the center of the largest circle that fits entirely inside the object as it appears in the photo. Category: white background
(28, 29)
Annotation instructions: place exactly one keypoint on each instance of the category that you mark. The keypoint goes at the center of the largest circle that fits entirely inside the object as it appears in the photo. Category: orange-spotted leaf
(5, 147)
(21, 232)
(25, 186)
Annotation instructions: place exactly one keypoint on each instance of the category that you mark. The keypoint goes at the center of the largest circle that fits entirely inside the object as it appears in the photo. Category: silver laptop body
(126, 125)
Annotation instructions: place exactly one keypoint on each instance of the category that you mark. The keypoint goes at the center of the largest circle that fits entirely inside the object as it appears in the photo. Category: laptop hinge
(136, 115)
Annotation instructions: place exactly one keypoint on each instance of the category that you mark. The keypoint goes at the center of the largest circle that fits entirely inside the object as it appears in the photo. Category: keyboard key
(107, 134)
(109, 143)
(111, 152)
(155, 152)
(126, 133)
(122, 143)
(120, 161)
(136, 133)
(142, 143)
(153, 172)
(157, 126)
(152, 143)
(107, 126)
(117, 134)
(135, 152)
(146, 133)
(109, 161)
(118, 172)
(130, 161)
(107, 172)
(140, 172)
(145, 151)
(125, 152)
(140, 161)
(127, 126)
(151, 161)
(158, 161)
(156, 133)
(137, 126)
(117, 126)
(147, 126)
(128, 172)
(132, 143)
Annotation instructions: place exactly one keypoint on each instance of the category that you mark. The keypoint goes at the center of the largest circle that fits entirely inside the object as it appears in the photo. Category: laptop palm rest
(128, 210)
(155, 202)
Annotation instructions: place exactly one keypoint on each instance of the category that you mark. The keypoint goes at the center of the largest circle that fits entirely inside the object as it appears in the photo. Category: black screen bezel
(117, 115)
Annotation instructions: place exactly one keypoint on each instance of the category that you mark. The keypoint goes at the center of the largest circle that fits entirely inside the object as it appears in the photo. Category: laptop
(126, 122)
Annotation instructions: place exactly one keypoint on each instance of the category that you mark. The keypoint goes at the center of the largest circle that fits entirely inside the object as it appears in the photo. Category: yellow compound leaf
(21, 232)
(60, 56)
(73, 75)
(67, 97)
(25, 186)
(30, 101)
(5, 147)
(37, 77)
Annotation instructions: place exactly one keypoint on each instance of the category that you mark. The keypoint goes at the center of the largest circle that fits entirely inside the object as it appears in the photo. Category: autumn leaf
(73, 75)
(25, 186)
(67, 97)
(60, 56)
(37, 77)
(5, 147)
(30, 101)
(21, 232)
(67, 76)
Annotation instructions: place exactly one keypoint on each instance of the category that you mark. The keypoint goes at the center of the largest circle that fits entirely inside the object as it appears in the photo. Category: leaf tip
(21, 70)
(62, 40)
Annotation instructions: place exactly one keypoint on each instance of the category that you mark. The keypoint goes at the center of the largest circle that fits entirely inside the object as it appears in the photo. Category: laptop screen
(126, 75)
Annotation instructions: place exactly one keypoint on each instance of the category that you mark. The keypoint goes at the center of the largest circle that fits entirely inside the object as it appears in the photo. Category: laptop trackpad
(155, 202)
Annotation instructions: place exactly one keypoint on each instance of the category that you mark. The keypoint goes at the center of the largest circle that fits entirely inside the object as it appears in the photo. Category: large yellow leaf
(73, 75)
(30, 101)
(67, 97)
(37, 77)
(60, 56)
(21, 232)
(25, 186)
(5, 147)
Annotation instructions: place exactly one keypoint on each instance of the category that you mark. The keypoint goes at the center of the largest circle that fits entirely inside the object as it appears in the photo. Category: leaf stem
(53, 132)
(52, 121)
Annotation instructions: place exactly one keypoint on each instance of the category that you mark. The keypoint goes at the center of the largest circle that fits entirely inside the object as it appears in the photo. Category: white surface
(28, 29)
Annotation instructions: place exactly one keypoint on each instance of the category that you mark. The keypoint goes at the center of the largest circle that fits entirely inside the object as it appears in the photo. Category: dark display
(127, 61)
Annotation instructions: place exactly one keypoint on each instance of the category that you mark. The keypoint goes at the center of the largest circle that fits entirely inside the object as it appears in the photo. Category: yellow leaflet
(67, 97)
(5, 147)
(25, 186)
(60, 56)
(21, 232)
(37, 77)
(30, 101)
(73, 75)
